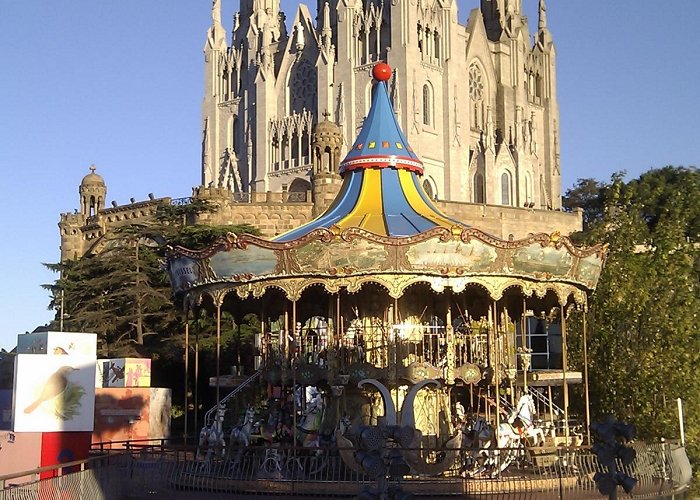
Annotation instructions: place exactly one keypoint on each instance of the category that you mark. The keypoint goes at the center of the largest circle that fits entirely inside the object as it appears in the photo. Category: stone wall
(275, 213)
(513, 223)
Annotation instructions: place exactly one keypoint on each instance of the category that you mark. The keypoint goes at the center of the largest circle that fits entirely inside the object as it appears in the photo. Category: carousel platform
(661, 470)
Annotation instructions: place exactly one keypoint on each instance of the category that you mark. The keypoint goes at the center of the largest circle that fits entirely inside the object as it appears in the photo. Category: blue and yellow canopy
(381, 191)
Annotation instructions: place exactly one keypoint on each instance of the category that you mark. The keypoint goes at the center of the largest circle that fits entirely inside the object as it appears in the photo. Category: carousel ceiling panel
(441, 259)
(536, 259)
(237, 261)
(355, 255)
(589, 269)
(472, 256)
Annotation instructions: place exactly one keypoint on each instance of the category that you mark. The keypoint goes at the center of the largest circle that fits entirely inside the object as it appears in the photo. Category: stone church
(284, 100)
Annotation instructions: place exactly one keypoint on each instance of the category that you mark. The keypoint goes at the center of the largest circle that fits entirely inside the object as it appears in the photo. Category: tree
(644, 340)
(588, 195)
(122, 292)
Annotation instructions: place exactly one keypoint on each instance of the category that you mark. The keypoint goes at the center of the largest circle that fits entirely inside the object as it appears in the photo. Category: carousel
(397, 344)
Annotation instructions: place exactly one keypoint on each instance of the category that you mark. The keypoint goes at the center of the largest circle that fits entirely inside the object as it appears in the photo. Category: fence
(157, 472)
(169, 472)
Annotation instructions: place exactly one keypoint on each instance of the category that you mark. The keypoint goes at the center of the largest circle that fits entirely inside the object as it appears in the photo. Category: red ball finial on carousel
(381, 72)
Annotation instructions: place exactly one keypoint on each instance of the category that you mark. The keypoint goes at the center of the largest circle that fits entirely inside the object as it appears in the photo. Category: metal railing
(545, 401)
(565, 473)
(96, 478)
(181, 201)
(209, 415)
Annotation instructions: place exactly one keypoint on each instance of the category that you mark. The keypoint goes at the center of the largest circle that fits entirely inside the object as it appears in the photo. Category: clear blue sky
(119, 84)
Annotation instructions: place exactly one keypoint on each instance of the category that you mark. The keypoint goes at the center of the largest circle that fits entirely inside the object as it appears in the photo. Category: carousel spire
(381, 142)
(381, 193)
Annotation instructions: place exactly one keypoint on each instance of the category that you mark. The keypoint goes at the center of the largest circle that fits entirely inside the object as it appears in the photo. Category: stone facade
(476, 102)
(83, 231)
(274, 213)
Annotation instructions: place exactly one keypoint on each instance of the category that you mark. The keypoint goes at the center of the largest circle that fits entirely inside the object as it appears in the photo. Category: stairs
(209, 415)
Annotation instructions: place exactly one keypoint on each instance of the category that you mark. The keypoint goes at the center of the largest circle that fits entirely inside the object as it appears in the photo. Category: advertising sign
(53, 393)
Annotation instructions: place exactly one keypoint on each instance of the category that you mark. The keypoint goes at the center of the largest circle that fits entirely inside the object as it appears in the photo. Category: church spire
(543, 38)
(216, 36)
(542, 25)
(326, 32)
(216, 12)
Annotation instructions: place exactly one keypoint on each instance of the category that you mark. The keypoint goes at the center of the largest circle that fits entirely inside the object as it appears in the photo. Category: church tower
(93, 192)
(326, 144)
(476, 101)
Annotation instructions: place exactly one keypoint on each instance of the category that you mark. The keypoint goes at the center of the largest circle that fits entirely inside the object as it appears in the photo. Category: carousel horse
(211, 439)
(240, 434)
(328, 446)
(307, 434)
(487, 451)
(521, 423)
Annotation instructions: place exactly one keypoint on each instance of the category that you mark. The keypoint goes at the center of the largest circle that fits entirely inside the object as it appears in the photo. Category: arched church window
(302, 87)
(420, 38)
(476, 95)
(285, 147)
(427, 105)
(428, 188)
(528, 188)
(505, 189)
(479, 194)
(295, 145)
(93, 207)
(234, 134)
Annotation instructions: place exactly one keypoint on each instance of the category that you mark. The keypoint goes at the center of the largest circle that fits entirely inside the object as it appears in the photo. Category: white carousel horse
(211, 439)
(489, 451)
(497, 454)
(307, 433)
(524, 412)
(240, 434)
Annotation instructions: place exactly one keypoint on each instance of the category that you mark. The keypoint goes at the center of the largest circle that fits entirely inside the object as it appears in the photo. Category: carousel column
(523, 346)
(187, 369)
(262, 346)
(294, 377)
(564, 367)
(338, 333)
(493, 332)
(284, 345)
(296, 332)
(393, 351)
(585, 373)
(196, 367)
(218, 302)
(450, 339)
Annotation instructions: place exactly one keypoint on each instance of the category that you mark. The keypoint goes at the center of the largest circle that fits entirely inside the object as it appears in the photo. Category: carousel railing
(209, 415)
(380, 344)
(661, 469)
(545, 402)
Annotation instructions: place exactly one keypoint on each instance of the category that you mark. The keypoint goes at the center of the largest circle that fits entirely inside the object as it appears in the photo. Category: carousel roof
(381, 191)
(383, 228)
